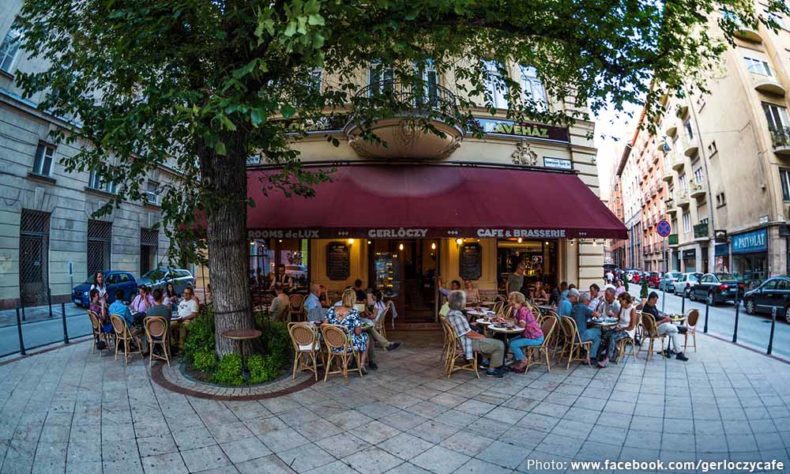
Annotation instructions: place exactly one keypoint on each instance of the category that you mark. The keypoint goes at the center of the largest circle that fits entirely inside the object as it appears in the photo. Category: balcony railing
(394, 97)
(701, 231)
(697, 190)
(780, 137)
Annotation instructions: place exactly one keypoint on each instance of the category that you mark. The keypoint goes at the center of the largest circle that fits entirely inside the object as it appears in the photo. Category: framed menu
(338, 261)
(470, 261)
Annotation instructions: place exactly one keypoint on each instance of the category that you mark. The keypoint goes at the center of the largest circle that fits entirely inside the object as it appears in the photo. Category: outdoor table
(483, 322)
(475, 313)
(506, 333)
(487, 303)
(677, 319)
(604, 324)
(242, 335)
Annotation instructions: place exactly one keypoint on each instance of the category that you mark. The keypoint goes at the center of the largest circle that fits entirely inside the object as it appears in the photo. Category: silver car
(685, 282)
(160, 277)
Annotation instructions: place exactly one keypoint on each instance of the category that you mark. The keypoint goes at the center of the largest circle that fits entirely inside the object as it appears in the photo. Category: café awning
(432, 201)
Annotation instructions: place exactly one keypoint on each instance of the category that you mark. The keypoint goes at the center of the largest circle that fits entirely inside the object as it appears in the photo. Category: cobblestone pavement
(68, 410)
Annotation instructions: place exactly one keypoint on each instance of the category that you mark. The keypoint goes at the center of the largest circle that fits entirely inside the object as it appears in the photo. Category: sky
(613, 130)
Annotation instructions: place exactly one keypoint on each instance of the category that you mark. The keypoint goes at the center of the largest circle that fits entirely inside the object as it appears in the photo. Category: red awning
(408, 201)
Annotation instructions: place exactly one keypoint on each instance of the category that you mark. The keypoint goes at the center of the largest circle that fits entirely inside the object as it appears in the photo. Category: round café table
(242, 335)
(506, 334)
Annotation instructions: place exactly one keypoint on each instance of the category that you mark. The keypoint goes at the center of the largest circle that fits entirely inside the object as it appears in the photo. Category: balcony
(653, 190)
(672, 211)
(698, 191)
(768, 85)
(690, 146)
(748, 33)
(781, 140)
(678, 162)
(701, 231)
(682, 199)
(668, 176)
(682, 110)
(672, 129)
(669, 201)
(405, 119)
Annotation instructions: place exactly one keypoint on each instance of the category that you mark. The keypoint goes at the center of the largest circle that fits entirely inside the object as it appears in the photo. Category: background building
(48, 237)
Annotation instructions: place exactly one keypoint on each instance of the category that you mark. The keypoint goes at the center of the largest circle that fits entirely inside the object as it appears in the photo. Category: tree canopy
(200, 85)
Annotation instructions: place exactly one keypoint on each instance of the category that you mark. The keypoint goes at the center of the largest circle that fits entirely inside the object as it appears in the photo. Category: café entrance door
(405, 271)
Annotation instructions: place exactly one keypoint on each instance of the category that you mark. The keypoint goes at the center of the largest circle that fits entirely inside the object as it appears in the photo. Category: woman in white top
(98, 284)
(472, 293)
(626, 327)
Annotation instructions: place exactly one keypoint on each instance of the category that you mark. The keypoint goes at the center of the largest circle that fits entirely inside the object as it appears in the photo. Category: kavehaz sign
(523, 129)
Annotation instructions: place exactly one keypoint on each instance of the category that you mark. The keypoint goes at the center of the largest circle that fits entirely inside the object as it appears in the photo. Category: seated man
(187, 310)
(472, 341)
(312, 305)
(160, 309)
(581, 312)
(665, 326)
(119, 308)
(281, 305)
(609, 305)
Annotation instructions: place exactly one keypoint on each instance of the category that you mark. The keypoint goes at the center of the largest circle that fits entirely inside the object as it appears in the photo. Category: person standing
(515, 281)
(98, 285)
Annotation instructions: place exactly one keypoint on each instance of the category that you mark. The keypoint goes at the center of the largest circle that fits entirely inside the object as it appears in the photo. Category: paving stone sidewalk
(72, 411)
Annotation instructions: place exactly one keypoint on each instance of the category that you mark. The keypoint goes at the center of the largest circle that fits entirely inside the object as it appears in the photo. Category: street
(753, 331)
(39, 330)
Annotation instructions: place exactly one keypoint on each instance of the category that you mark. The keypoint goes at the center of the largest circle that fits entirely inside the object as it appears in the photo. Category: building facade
(456, 207)
(50, 239)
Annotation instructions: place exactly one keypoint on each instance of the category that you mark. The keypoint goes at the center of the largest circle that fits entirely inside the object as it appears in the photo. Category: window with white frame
(152, 192)
(758, 66)
(95, 181)
(495, 85)
(698, 175)
(426, 70)
(784, 175)
(380, 78)
(777, 116)
(42, 165)
(689, 129)
(686, 222)
(9, 48)
(682, 183)
(533, 86)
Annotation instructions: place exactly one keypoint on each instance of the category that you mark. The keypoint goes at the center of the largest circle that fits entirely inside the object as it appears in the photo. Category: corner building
(425, 206)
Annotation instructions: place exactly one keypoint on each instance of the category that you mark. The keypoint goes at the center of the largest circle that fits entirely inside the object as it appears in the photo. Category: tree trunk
(224, 177)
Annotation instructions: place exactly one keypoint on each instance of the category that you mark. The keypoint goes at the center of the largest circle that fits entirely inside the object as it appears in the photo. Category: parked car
(772, 293)
(115, 280)
(667, 282)
(687, 281)
(160, 277)
(633, 276)
(653, 279)
(717, 288)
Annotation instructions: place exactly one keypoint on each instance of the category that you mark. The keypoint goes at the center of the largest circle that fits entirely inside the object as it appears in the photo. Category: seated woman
(99, 306)
(348, 317)
(281, 305)
(532, 335)
(171, 297)
(472, 293)
(141, 303)
(626, 327)
(541, 293)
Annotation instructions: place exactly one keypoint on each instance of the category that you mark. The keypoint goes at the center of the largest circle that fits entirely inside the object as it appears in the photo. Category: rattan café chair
(339, 350)
(547, 327)
(158, 336)
(98, 334)
(307, 346)
(573, 342)
(123, 334)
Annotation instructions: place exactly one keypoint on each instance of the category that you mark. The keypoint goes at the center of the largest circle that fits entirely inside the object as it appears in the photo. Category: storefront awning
(408, 201)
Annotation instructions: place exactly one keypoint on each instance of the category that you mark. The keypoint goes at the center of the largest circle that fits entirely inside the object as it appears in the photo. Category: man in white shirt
(188, 309)
(312, 304)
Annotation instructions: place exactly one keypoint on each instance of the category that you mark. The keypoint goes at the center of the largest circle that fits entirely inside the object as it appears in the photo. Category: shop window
(279, 261)
(539, 258)
(42, 165)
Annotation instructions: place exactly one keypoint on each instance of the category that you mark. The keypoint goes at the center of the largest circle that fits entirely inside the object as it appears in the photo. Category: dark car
(115, 280)
(772, 293)
(160, 277)
(716, 288)
(653, 279)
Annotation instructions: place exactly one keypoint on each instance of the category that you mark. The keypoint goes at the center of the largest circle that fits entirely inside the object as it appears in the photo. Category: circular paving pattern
(173, 378)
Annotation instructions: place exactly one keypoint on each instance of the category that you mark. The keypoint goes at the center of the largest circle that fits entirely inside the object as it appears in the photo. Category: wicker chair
(547, 327)
(297, 307)
(446, 342)
(692, 317)
(98, 334)
(123, 334)
(306, 347)
(573, 342)
(650, 332)
(381, 319)
(340, 349)
(456, 358)
(158, 336)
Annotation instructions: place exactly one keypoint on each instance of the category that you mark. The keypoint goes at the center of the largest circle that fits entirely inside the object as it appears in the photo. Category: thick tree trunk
(225, 178)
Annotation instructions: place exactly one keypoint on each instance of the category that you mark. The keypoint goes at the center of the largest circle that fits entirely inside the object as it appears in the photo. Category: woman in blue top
(348, 317)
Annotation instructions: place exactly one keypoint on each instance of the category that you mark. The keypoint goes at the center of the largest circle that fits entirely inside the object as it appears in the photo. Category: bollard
(23, 311)
(707, 310)
(19, 329)
(683, 303)
(663, 300)
(49, 301)
(737, 313)
(773, 325)
(65, 329)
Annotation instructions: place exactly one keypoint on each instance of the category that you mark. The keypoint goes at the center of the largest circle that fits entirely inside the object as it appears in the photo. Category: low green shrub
(205, 360)
(228, 371)
(263, 368)
(200, 336)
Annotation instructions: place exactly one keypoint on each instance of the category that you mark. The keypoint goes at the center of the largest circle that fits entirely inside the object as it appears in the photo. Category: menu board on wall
(338, 261)
(470, 262)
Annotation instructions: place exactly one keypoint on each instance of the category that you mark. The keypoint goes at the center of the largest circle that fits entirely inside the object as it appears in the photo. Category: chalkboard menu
(338, 261)
(471, 262)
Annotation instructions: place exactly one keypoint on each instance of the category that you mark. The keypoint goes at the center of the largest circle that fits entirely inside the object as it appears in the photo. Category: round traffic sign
(663, 228)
